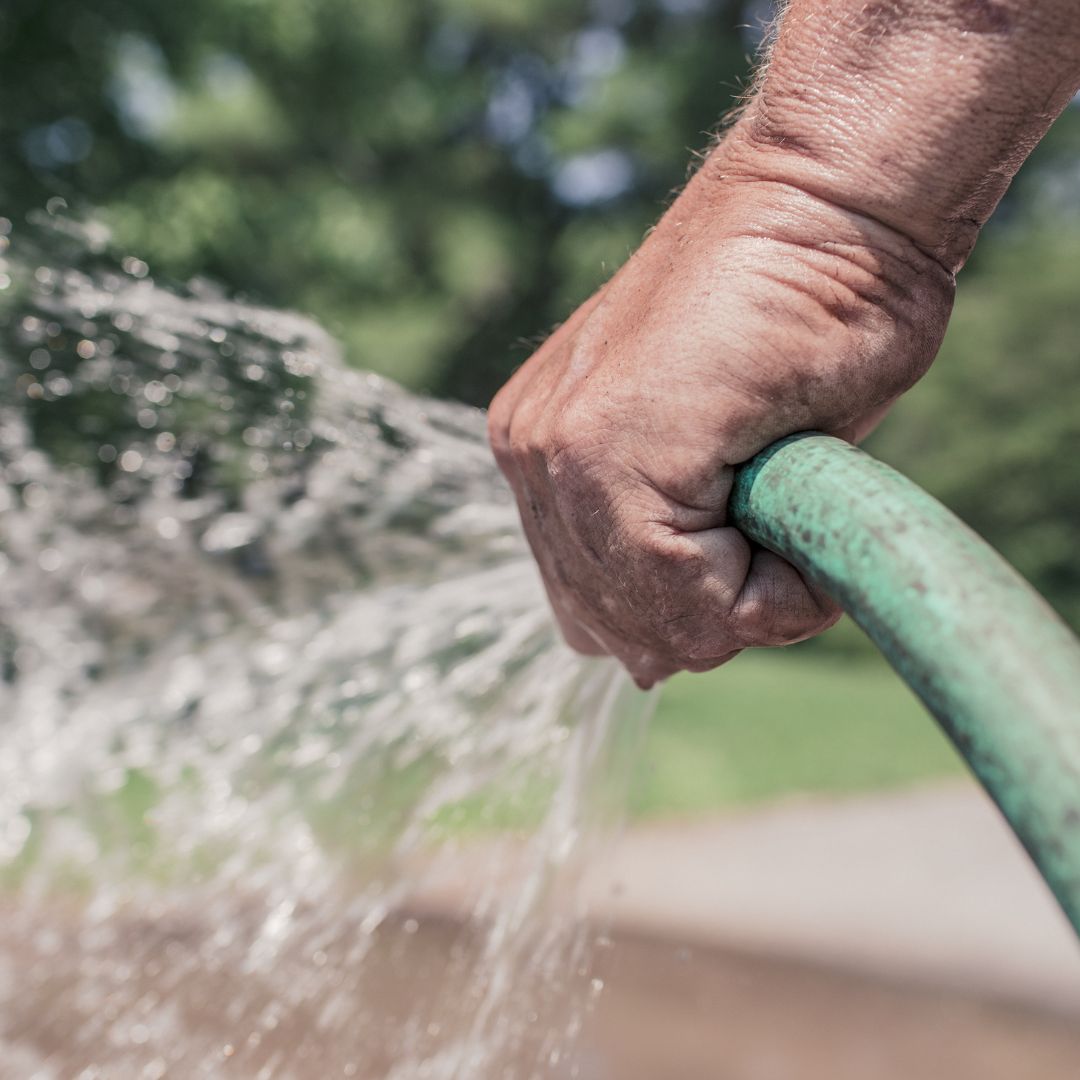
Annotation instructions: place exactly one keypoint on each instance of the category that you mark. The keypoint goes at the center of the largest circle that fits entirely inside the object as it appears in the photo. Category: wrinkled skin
(752, 311)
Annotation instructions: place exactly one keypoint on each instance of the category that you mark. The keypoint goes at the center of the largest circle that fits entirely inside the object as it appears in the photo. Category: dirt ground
(153, 1002)
(673, 1013)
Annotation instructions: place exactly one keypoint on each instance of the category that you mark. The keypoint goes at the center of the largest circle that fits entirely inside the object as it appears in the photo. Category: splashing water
(295, 779)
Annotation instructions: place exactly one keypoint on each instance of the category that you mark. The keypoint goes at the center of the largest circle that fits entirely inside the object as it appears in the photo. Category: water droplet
(14, 836)
(131, 461)
(58, 385)
(135, 267)
(49, 559)
(229, 532)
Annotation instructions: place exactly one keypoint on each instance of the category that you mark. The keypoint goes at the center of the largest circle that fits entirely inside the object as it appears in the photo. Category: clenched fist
(754, 310)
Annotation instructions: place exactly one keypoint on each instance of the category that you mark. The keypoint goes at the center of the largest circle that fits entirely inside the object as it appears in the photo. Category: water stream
(295, 777)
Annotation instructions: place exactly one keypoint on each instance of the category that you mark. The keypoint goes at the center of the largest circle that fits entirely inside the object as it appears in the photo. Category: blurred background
(438, 182)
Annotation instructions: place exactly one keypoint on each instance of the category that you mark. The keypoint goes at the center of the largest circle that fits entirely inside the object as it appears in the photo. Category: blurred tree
(432, 179)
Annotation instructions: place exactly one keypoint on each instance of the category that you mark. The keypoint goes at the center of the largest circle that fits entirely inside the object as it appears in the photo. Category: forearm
(916, 113)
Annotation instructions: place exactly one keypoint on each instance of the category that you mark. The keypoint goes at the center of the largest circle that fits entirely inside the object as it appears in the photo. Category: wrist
(865, 183)
(915, 114)
(853, 311)
(847, 261)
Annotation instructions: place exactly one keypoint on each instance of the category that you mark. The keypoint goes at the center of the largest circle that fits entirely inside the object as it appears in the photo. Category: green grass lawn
(780, 722)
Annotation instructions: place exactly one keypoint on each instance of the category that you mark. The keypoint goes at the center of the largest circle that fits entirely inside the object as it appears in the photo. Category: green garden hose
(985, 653)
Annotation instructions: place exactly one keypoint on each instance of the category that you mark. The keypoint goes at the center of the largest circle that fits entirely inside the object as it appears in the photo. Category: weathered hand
(753, 310)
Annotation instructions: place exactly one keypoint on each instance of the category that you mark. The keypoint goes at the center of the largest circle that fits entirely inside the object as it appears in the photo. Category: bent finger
(777, 606)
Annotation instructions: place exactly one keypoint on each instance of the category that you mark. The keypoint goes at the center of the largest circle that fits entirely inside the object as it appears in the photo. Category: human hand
(752, 311)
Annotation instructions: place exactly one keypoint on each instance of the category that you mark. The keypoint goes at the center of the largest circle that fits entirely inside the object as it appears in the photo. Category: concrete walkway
(927, 886)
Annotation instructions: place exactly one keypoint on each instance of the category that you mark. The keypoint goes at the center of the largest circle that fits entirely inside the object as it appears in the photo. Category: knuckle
(668, 577)
(522, 437)
(498, 430)
(575, 416)
(517, 434)
(577, 431)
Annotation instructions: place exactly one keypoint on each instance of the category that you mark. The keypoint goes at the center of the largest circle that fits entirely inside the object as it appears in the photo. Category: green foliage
(391, 167)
